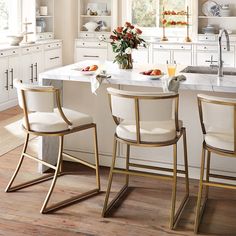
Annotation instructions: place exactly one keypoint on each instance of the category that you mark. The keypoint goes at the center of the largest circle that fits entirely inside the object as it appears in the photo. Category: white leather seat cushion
(220, 140)
(53, 122)
(154, 131)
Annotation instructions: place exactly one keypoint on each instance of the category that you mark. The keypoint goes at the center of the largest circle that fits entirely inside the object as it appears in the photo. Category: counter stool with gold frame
(218, 122)
(41, 119)
(138, 126)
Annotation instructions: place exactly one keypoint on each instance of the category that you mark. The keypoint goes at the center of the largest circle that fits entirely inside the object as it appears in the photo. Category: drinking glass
(171, 68)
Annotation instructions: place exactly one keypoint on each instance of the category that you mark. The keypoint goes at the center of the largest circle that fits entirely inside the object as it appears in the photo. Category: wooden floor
(145, 211)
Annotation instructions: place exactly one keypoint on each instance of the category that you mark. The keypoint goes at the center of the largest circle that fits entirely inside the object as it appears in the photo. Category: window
(147, 14)
(4, 15)
(10, 17)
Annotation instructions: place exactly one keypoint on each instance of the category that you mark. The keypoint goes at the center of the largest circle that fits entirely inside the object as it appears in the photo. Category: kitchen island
(77, 95)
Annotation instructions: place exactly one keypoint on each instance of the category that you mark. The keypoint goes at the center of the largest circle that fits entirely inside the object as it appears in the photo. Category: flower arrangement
(124, 39)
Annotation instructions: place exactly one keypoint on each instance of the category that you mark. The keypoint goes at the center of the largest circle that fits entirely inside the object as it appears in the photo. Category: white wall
(66, 21)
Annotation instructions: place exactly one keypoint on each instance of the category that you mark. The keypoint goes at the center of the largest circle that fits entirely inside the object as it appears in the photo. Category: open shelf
(88, 16)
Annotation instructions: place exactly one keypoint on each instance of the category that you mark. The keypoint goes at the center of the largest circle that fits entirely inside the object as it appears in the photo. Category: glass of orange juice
(171, 68)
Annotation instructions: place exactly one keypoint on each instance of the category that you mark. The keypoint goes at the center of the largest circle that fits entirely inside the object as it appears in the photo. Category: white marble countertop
(42, 42)
(201, 82)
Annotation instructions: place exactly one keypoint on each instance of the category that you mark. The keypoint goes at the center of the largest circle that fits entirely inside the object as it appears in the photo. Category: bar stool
(41, 119)
(140, 127)
(219, 138)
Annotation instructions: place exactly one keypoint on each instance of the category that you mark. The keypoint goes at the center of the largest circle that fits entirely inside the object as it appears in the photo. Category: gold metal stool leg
(127, 163)
(174, 188)
(208, 172)
(198, 209)
(110, 178)
(186, 162)
(57, 171)
(8, 188)
(96, 158)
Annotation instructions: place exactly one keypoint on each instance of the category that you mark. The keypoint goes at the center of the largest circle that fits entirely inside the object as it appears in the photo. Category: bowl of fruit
(152, 74)
(88, 70)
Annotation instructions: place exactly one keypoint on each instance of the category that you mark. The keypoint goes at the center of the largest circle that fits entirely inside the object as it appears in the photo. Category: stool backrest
(34, 98)
(143, 106)
(217, 115)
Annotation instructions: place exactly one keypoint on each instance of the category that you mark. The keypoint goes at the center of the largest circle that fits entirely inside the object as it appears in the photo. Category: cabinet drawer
(207, 38)
(26, 50)
(83, 44)
(53, 58)
(90, 54)
(9, 52)
(86, 35)
(213, 48)
(173, 46)
(50, 46)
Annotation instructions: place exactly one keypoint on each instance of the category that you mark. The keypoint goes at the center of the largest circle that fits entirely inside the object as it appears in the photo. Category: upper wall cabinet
(97, 18)
(41, 14)
(214, 15)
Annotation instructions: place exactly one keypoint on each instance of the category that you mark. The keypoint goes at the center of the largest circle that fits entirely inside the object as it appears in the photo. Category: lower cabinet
(141, 55)
(32, 64)
(181, 53)
(208, 55)
(9, 70)
(52, 56)
(25, 63)
(90, 51)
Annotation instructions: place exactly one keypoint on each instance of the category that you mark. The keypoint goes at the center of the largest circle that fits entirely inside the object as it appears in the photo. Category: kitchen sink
(208, 70)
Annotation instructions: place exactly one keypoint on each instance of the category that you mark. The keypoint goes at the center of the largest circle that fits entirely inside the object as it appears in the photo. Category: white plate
(152, 77)
(206, 7)
(80, 70)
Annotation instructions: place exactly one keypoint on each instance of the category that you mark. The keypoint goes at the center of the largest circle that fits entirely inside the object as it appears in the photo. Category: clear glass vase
(127, 64)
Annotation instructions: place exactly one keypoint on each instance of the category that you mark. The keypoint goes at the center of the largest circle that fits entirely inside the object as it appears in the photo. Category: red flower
(119, 29)
(127, 24)
(129, 35)
(113, 37)
(139, 31)
(131, 27)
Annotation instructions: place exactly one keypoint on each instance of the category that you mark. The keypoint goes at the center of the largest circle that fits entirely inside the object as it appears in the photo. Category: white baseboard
(8, 104)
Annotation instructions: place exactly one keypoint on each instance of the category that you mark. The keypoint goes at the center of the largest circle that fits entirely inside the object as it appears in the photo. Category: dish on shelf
(209, 29)
(211, 8)
(152, 74)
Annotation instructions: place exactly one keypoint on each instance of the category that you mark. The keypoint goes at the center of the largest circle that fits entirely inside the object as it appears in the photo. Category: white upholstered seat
(220, 140)
(150, 131)
(218, 120)
(53, 122)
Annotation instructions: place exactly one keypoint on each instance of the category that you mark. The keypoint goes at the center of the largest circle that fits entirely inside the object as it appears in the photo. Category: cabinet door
(91, 54)
(53, 58)
(182, 57)
(140, 55)
(4, 79)
(37, 60)
(27, 68)
(13, 74)
(161, 56)
(204, 58)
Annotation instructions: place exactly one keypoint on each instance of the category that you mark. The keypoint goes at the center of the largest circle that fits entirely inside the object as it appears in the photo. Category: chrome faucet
(220, 61)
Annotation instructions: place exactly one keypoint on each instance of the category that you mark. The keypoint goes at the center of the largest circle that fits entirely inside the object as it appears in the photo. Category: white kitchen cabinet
(161, 56)
(141, 55)
(32, 64)
(53, 56)
(91, 50)
(9, 70)
(208, 55)
(181, 53)
(3, 79)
